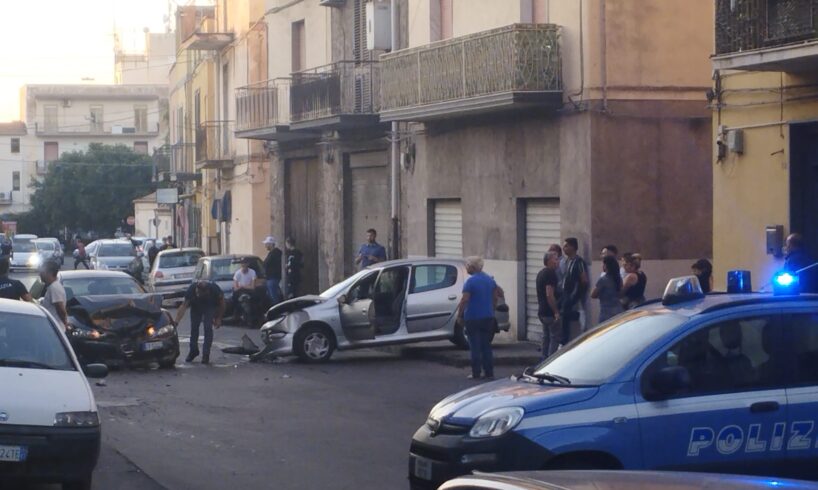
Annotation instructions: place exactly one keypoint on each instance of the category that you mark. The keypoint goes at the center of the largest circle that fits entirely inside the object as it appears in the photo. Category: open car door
(354, 309)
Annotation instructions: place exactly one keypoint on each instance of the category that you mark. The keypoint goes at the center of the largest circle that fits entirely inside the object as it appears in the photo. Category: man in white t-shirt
(54, 298)
(244, 280)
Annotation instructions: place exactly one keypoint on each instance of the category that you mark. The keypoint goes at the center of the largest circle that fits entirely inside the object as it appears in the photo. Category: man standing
(370, 252)
(153, 250)
(476, 307)
(54, 298)
(5, 247)
(272, 270)
(798, 258)
(574, 288)
(548, 310)
(244, 280)
(295, 262)
(206, 302)
(11, 288)
(80, 255)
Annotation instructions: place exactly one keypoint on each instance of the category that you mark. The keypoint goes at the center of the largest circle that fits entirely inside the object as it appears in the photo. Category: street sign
(167, 196)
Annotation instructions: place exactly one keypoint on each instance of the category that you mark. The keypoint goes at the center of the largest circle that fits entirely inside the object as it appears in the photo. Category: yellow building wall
(279, 36)
(751, 190)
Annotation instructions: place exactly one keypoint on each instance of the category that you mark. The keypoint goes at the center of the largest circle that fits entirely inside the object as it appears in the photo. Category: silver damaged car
(396, 302)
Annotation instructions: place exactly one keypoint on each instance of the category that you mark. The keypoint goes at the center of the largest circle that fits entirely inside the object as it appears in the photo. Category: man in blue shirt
(370, 252)
(480, 294)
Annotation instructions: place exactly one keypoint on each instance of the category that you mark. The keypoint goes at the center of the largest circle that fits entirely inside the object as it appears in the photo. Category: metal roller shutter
(542, 229)
(448, 229)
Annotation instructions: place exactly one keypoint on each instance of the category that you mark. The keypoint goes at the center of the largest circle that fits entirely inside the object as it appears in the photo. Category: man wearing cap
(272, 270)
(206, 302)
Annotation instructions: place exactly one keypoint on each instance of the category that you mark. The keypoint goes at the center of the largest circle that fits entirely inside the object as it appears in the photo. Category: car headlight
(161, 332)
(35, 260)
(496, 422)
(76, 419)
(83, 333)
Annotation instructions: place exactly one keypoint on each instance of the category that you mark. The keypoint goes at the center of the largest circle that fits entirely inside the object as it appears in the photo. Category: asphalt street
(346, 424)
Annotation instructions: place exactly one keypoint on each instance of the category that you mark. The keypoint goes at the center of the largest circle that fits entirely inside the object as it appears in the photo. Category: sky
(65, 41)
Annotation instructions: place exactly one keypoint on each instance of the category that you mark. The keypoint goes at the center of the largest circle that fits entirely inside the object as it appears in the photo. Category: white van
(49, 424)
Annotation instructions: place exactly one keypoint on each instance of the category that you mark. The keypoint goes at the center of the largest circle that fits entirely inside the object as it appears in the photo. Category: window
(734, 355)
(140, 147)
(51, 150)
(363, 289)
(804, 329)
(15, 145)
(15, 181)
(140, 118)
(179, 259)
(96, 119)
(432, 277)
(117, 250)
(32, 339)
(50, 117)
(299, 44)
(180, 122)
(100, 285)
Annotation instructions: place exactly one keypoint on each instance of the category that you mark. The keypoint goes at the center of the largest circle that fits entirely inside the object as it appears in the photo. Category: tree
(90, 190)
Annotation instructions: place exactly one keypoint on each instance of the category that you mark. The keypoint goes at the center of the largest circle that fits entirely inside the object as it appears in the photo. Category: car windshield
(94, 286)
(223, 270)
(343, 285)
(179, 259)
(600, 353)
(49, 246)
(23, 246)
(30, 341)
(124, 249)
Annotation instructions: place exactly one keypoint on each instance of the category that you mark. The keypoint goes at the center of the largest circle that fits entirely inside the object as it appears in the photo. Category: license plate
(14, 454)
(423, 468)
(149, 346)
(184, 276)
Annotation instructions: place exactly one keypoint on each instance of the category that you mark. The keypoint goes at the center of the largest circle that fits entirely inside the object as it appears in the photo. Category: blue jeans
(480, 333)
(274, 290)
(206, 318)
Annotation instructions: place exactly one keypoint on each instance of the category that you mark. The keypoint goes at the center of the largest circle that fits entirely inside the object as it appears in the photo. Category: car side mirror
(95, 370)
(670, 381)
(342, 300)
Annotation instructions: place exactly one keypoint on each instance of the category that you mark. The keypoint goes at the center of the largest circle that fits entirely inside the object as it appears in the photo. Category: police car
(724, 382)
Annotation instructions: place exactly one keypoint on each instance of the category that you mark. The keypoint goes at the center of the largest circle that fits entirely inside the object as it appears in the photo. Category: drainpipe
(394, 143)
(604, 63)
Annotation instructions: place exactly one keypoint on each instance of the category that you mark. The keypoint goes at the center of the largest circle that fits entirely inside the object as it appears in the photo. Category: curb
(460, 359)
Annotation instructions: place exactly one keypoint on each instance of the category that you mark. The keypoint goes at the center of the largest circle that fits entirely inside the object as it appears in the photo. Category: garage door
(448, 229)
(302, 220)
(367, 201)
(542, 229)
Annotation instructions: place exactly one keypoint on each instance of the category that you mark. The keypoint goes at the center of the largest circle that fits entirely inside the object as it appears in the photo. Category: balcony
(510, 68)
(342, 95)
(5, 198)
(263, 111)
(206, 37)
(766, 35)
(214, 145)
(42, 167)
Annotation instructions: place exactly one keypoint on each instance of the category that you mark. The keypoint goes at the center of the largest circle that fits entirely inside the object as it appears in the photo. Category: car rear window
(117, 250)
(45, 246)
(94, 286)
(179, 259)
(31, 341)
(22, 246)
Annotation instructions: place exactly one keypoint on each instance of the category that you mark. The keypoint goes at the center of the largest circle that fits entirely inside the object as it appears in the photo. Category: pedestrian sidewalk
(506, 353)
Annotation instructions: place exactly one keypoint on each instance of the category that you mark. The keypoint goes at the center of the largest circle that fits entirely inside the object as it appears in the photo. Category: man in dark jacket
(272, 270)
(799, 258)
(574, 288)
(295, 262)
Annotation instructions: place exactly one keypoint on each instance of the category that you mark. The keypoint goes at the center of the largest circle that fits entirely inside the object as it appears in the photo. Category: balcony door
(804, 183)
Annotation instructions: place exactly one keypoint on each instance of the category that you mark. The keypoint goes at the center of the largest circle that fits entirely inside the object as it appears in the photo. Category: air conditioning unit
(66, 102)
(378, 25)
(331, 3)
(3, 196)
(116, 129)
(128, 130)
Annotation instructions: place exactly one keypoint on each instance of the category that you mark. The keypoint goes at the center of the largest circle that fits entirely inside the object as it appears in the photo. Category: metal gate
(303, 191)
(448, 228)
(367, 201)
(542, 229)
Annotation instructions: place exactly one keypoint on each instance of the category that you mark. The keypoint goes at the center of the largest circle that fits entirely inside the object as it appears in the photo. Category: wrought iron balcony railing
(214, 144)
(263, 105)
(345, 88)
(520, 58)
(746, 25)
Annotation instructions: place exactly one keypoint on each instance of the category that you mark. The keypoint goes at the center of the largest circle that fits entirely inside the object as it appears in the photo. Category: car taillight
(159, 275)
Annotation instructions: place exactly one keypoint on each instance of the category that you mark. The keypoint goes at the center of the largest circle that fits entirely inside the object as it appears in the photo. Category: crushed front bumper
(120, 351)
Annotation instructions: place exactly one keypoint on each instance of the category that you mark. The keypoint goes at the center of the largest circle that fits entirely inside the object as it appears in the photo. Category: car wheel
(314, 344)
(84, 484)
(459, 339)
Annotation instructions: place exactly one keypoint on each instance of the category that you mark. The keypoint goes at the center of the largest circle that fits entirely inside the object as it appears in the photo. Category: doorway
(804, 183)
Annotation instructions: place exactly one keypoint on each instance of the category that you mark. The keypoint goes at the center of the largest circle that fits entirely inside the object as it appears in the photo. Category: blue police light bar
(682, 289)
(739, 282)
(785, 282)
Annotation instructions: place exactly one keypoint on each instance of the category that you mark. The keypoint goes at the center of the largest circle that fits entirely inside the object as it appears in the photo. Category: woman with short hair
(607, 290)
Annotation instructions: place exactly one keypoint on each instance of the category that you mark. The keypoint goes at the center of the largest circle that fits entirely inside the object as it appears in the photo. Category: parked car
(49, 424)
(172, 271)
(723, 382)
(220, 269)
(397, 302)
(113, 320)
(110, 254)
(619, 480)
(49, 249)
(24, 253)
